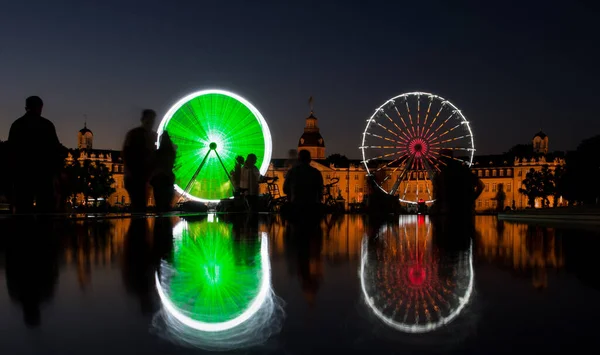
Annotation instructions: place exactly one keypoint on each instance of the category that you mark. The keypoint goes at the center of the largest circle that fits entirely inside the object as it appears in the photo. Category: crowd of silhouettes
(38, 187)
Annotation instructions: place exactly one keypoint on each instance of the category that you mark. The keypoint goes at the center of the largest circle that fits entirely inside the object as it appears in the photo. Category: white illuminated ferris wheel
(407, 139)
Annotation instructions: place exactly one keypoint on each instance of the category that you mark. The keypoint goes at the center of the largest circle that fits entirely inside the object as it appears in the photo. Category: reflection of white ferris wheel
(407, 284)
(408, 138)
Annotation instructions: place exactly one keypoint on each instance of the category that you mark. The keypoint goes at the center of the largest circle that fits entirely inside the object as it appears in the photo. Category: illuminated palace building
(495, 171)
(110, 158)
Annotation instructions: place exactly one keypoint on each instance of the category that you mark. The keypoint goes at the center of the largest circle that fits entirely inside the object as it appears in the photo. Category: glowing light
(204, 264)
(418, 280)
(414, 144)
(214, 116)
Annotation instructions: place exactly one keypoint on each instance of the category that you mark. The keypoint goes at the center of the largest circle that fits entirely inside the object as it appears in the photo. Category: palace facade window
(494, 187)
(501, 172)
(493, 172)
(487, 187)
(509, 172)
(479, 173)
(508, 187)
(487, 173)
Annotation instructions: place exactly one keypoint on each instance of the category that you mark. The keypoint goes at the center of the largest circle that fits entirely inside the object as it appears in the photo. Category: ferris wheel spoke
(405, 155)
(387, 129)
(382, 137)
(435, 117)
(410, 117)
(453, 139)
(418, 112)
(442, 125)
(381, 156)
(430, 175)
(418, 173)
(427, 114)
(407, 181)
(445, 133)
(403, 122)
(457, 159)
(433, 164)
(395, 125)
(462, 149)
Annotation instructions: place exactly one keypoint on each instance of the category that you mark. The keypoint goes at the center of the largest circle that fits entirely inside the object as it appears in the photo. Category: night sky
(511, 69)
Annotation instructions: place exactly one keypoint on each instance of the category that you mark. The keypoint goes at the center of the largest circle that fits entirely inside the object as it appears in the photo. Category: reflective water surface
(182, 285)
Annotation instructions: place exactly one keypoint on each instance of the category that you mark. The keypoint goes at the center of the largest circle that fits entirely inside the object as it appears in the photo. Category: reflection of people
(163, 179)
(304, 185)
(306, 242)
(34, 136)
(31, 269)
(138, 152)
(143, 252)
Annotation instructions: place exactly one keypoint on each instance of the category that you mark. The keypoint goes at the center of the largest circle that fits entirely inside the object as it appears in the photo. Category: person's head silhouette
(34, 105)
(304, 157)
(251, 159)
(148, 118)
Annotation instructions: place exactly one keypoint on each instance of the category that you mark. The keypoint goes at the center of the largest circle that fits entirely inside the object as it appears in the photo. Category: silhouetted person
(304, 186)
(138, 151)
(292, 159)
(236, 175)
(34, 137)
(163, 179)
(250, 181)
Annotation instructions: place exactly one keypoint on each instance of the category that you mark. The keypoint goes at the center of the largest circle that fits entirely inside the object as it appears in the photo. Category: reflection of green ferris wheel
(210, 128)
(214, 282)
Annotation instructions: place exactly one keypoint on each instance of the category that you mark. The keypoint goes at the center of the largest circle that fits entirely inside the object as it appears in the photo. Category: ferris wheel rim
(432, 97)
(268, 144)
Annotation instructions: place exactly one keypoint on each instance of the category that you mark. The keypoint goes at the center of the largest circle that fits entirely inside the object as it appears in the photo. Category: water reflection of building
(93, 245)
(341, 237)
(526, 249)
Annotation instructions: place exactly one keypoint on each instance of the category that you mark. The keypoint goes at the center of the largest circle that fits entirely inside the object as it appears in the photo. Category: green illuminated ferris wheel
(210, 128)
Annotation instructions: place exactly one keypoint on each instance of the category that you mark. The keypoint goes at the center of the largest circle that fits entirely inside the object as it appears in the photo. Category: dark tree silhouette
(93, 180)
(520, 150)
(583, 173)
(338, 160)
(559, 184)
(532, 186)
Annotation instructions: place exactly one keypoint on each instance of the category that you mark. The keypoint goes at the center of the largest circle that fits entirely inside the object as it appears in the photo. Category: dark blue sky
(511, 69)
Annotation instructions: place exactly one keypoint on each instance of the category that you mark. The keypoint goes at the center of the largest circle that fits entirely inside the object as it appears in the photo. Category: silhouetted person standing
(304, 186)
(236, 175)
(138, 156)
(250, 178)
(163, 179)
(35, 160)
